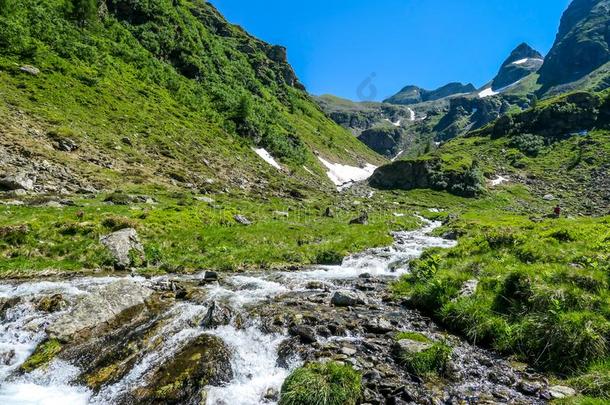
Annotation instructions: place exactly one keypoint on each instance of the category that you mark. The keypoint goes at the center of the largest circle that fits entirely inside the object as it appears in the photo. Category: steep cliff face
(582, 44)
(523, 61)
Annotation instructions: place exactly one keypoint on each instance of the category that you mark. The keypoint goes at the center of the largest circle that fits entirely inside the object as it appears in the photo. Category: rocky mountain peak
(522, 61)
(523, 51)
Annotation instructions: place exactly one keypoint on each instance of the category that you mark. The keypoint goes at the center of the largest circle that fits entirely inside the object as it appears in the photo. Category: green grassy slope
(158, 92)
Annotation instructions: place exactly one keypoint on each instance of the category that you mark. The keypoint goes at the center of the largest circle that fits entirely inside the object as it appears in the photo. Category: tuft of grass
(432, 360)
(322, 384)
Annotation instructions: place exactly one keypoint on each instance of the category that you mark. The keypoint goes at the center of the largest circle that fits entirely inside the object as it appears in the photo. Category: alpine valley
(183, 223)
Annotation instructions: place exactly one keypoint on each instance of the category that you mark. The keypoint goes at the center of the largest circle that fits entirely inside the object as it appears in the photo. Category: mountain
(522, 62)
(161, 92)
(414, 95)
(582, 44)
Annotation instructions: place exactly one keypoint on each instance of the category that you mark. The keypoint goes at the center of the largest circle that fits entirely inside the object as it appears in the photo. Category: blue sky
(336, 45)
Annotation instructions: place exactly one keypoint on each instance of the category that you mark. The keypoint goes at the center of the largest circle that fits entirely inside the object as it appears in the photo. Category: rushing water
(254, 353)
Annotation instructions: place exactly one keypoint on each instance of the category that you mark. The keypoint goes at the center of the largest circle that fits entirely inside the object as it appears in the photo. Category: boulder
(347, 298)
(378, 326)
(469, 288)
(122, 244)
(408, 346)
(34, 71)
(560, 392)
(306, 334)
(363, 219)
(217, 315)
(240, 219)
(180, 379)
(50, 304)
(102, 305)
(17, 181)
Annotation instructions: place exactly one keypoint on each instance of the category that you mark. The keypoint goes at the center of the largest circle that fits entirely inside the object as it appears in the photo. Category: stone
(469, 288)
(560, 392)
(529, 388)
(66, 145)
(217, 315)
(348, 351)
(329, 212)
(122, 244)
(29, 69)
(347, 298)
(50, 304)
(283, 214)
(181, 378)
(18, 181)
(102, 305)
(378, 326)
(408, 346)
(315, 285)
(306, 334)
(363, 219)
(548, 197)
(240, 219)
(6, 358)
(204, 199)
(271, 395)
(210, 277)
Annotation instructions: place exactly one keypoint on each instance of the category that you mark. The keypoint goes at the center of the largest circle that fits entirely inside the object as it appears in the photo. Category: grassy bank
(541, 290)
(181, 233)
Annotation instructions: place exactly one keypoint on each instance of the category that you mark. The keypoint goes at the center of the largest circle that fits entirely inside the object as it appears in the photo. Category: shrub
(516, 293)
(425, 267)
(329, 257)
(14, 235)
(596, 382)
(119, 198)
(116, 223)
(529, 144)
(322, 384)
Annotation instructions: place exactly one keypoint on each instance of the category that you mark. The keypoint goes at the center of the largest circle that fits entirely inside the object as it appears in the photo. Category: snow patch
(344, 175)
(397, 155)
(411, 115)
(499, 180)
(488, 92)
(266, 156)
(520, 61)
(396, 124)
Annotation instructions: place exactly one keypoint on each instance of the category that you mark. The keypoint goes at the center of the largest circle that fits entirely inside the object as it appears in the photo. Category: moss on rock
(44, 353)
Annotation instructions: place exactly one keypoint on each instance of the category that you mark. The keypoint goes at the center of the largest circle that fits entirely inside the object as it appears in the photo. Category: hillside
(139, 93)
(582, 44)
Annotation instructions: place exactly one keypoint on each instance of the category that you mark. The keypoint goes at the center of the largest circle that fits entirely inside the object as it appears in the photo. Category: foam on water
(254, 364)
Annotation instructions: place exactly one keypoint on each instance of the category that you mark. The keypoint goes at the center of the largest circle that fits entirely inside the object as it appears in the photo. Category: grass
(322, 384)
(430, 361)
(180, 233)
(542, 293)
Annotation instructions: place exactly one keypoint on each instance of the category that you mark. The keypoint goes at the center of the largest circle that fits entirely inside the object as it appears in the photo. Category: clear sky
(336, 45)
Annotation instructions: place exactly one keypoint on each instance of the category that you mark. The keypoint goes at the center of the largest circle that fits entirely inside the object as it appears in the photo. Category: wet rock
(408, 346)
(529, 388)
(102, 305)
(6, 304)
(288, 351)
(315, 285)
(210, 276)
(29, 69)
(347, 298)
(6, 358)
(378, 326)
(217, 315)
(560, 392)
(240, 219)
(271, 395)
(50, 304)
(122, 245)
(205, 361)
(17, 181)
(306, 334)
(363, 219)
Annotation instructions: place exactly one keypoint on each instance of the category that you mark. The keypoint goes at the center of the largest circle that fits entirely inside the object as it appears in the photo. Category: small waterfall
(254, 363)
